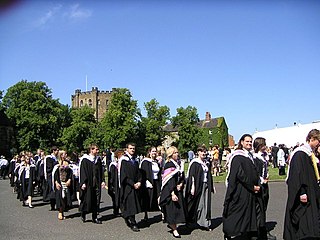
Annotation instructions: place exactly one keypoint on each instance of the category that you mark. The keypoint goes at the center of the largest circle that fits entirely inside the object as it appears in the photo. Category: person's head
(228, 150)
(39, 151)
(313, 138)
(55, 150)
(27, 160)
(131, 148)
(62, 155)
(152, 152)
(202, 152)
(118, 153)
(172, 153)
(94, 149)
(259, 144)
(245, 142)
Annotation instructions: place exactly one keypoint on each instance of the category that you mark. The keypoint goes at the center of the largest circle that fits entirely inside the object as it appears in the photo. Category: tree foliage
(153, 123)
(38, 118)
(81, 131)
(120, 124)
(186, 122)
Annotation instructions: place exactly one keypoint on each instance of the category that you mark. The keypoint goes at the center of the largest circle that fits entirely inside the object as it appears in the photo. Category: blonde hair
(60, 160)
(170, 152)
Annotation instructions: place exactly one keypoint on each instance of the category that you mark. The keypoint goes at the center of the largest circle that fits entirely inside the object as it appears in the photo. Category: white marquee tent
(289, 136)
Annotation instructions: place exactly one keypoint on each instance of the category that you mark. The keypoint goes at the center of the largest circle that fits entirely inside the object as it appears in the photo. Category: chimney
(208, 116)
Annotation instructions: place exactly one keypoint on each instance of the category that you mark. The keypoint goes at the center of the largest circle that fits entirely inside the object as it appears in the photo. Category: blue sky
(257, 63)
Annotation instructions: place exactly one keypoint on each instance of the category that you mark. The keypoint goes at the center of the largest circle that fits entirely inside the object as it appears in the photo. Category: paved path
(39, 223)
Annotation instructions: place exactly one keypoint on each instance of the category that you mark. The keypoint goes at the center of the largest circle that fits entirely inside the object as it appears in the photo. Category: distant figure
(274, 152)
(281, 156)
(4, 167)
(190, 155)
(302, 210)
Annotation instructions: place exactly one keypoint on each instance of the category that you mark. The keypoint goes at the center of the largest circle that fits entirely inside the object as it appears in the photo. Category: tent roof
(289, 136)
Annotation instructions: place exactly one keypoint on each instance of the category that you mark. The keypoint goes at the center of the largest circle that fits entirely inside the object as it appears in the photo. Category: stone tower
(98, 100)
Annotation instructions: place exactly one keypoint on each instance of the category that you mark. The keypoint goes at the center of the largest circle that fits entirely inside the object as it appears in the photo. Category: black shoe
(83, 219)
(96, 221)
(30, 206)
(135, 228)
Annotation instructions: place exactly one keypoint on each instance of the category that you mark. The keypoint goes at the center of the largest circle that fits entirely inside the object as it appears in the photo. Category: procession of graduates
(159, 184)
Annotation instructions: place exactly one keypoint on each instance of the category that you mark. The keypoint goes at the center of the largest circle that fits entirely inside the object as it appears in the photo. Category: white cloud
(59, 13)
(50, 15)
(76, 13)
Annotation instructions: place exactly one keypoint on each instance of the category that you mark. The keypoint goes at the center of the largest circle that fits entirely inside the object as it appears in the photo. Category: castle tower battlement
(98, 100)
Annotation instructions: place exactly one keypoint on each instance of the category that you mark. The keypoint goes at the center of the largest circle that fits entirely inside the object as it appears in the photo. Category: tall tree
(157, 117)
(81, 131)
(37, 117)
(120, 123)
(186, 121)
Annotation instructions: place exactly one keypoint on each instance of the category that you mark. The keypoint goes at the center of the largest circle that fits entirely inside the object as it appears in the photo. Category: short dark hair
(132, 144)
(54, 148)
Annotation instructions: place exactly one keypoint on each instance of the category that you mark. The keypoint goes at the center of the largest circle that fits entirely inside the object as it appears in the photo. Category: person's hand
(174, 197)
(58, 186)
(304, 198)
(83, 187)
(137, 185)
(103, 185)
(256, 189)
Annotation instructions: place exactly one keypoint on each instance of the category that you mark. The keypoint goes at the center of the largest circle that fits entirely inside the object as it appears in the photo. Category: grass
(273, 174)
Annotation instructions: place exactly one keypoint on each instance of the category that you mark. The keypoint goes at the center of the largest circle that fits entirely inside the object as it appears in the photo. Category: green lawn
(273, 174)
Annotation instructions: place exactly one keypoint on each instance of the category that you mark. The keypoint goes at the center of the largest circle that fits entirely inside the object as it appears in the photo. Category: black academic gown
(129, 197)
(27, 184)
(48, 193)
(61, 202)
(12, 166)
(192, 201)
(90, 176)
(113, 186)
(239, 213)
(302, 219)
(17, 182)
(149, 196)
(174, 211)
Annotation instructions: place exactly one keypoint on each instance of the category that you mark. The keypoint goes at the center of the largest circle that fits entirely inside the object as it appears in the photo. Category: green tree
(120, 123)
(37, 117)
(186, 122)
(153, 123)
(76, 136)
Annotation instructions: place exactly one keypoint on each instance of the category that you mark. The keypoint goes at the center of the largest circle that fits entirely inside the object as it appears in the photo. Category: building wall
(98, 100)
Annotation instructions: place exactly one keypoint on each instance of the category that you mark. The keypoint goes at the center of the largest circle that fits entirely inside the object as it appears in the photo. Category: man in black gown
(130, 183)
(91, 180)
(49, 162)
(302, 210)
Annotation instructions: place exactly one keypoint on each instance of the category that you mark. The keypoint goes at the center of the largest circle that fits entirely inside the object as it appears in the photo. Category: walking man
(91, 181)
(302, 211)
